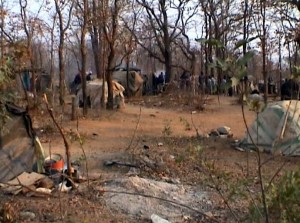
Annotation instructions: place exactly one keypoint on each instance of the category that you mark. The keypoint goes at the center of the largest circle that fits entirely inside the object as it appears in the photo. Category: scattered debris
(44, 190)
(63, 187)
(25, 181)
(239, 149)
(112, 162)
(222, 132)
(214, 133)
(54, 163)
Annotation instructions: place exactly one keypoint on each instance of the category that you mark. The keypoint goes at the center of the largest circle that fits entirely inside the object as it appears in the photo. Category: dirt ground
(164, 129)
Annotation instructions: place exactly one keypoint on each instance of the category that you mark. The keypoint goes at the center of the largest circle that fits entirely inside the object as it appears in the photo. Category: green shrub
(6, 90)
(283, 200)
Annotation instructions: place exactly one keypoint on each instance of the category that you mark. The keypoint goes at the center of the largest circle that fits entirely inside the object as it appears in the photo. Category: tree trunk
(264, 53)
(61, 66)
(83, 52)
(95, 39)
(110, 99)
(168, 64)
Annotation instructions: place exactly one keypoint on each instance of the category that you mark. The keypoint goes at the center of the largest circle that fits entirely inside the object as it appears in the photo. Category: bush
(283, 200)
(6, 90)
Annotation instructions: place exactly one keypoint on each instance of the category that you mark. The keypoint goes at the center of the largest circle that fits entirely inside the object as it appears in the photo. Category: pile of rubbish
(24, 167)
(54, 177)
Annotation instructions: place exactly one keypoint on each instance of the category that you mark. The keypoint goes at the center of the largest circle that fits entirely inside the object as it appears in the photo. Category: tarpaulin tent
(135, 81)
(94, 92)
(276, 129)
(17, 144)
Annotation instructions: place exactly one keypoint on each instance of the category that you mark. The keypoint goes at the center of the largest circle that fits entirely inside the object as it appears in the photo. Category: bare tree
(52, 65)
(61, 7)
(95, 32)
(111, 31)
(83, 18)
(29, 25)
(163, 19)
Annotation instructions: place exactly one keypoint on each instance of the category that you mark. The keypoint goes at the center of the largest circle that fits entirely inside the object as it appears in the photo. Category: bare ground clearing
(152, 120)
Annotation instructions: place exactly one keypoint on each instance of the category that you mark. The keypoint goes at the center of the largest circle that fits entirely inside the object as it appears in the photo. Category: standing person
(89, 76)
(185, 80)
(214, 84)
(77, 79)
(74, 86)
(223, 85)
(161, 82)
(209, 84)
(201, 82)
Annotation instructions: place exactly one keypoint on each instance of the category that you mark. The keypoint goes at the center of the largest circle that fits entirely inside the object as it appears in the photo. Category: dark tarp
(16, 144)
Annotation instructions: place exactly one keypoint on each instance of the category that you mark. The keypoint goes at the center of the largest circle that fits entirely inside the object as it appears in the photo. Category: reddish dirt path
(113, 131)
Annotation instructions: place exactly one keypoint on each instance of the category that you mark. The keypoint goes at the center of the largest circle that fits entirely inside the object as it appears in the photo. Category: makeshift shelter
(94, 92)
(276, 129)
(134, 87)
(17, 144)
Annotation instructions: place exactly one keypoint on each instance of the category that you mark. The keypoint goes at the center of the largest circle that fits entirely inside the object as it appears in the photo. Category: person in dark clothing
(89, 76)
(161, 78)
(77, 79)
(185, 80)
(201, 82)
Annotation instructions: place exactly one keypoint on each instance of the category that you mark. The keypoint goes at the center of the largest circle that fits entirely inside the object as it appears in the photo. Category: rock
(224, 136)
(133, 171)
(186, 218)
(209, 214)
(225, 130)
(171, 180)
(156, 219)
(27, 215)
(214, 133)
(146, 147)
(160, 144)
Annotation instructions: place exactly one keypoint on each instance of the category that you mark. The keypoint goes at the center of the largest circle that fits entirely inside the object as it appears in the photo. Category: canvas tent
(17, 153)
(135, 81)
(94, 90)
(276, 129)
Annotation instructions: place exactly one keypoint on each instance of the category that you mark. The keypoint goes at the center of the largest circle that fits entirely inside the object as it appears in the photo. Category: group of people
(158, 82)
(209, 84)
